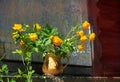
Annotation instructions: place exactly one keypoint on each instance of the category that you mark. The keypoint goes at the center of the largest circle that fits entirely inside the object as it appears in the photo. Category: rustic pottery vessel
(52, 64)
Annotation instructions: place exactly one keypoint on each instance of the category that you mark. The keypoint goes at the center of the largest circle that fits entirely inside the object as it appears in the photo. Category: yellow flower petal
(38, 27)
(57, 41)
(86, 25)
(81, 47)
(92, 36)
(33, 36)
(51, 37)
(83, 38)
(21, 43)
(17, 27)
(80, 33)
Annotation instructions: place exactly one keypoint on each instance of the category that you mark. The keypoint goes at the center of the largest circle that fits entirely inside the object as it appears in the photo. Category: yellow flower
(86, 25)
(92, 36)
(51, 37)
(37, 26)
(17, 27)
(21, 43)
(80, 33)
(81, 47)
(33, 36)
(83, 38)
(57, 41)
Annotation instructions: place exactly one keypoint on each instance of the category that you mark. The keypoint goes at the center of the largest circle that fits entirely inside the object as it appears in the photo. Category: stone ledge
(66, 79)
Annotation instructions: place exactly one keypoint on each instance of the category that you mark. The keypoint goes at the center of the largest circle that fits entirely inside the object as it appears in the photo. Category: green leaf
(35, 49)
(18, 76)
(0, 70)
(48, 42)
(20, 52)
(38, 43)
(19, 71)
(25, 75)
(29, 54)
(4, 67)
(33, 71)
(12, 80)
(30, 67)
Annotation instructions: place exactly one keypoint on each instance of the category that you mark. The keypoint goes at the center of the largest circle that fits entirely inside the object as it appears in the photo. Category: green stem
(1, 79)
(29, 79)
(23, 60)
(71, 30)
(45, 80)
(8, 79)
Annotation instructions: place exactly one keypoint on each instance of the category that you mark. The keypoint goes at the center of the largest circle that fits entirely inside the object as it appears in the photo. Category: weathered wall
(105, 14)
(108, 21)
(59, 13)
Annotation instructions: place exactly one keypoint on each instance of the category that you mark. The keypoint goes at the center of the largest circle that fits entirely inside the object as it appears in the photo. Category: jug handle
(66, 63)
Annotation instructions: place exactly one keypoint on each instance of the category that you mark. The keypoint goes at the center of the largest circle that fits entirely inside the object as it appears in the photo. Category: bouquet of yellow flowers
(46, 39)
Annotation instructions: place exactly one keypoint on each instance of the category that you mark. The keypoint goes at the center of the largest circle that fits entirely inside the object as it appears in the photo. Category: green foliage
(28, 75)
(4, 69)
(20, 52)
(43, 44)
(12, 80)
(47, 39)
